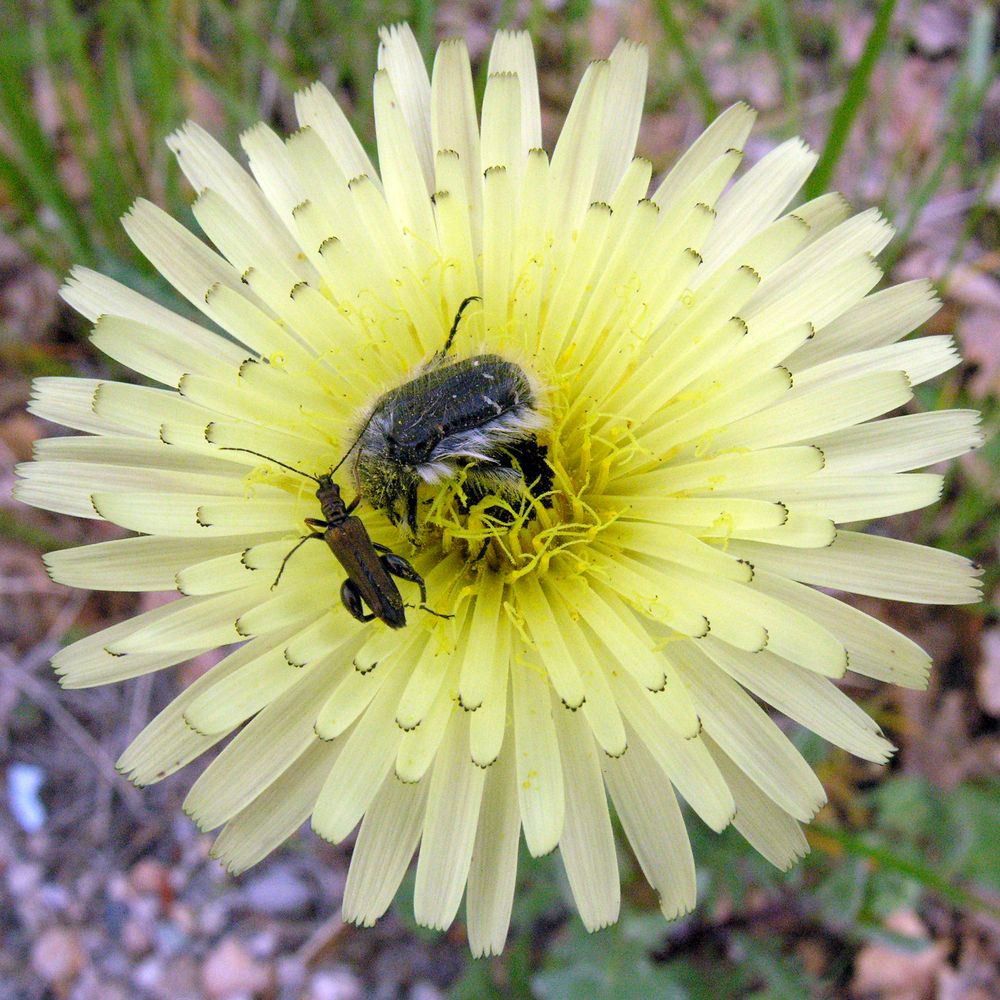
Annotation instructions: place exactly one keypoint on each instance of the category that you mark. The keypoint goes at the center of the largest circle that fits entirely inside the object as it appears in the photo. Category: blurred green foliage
(921, 844)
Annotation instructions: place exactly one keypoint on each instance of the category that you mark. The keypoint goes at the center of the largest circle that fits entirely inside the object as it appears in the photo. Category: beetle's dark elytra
(463, 397)
(459, 415)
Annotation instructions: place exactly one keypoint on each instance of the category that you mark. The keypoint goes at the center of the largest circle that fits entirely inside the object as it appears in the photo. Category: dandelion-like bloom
(706, 368)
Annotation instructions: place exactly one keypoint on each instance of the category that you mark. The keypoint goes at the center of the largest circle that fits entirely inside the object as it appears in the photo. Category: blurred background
(109, 893)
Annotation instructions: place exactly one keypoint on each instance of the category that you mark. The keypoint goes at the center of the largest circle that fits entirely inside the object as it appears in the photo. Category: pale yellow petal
(539, 773)
(493, 871)
(449, 833)
(647, 808)
(587, 845)
(276, 813)
(386, 841)
(767, 827)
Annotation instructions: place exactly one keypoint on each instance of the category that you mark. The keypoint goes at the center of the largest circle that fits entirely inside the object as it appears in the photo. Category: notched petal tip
(185, 718)
(286, 656)
(324, 739)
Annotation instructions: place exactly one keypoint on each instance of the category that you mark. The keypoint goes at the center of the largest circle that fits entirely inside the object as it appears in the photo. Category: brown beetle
(370, 567)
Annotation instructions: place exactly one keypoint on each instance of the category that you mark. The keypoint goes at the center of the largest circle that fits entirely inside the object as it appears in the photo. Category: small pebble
(58, 956)
(23, 878)
(335, 984)
(136, 936)
(278, 891)
(148, 875)
(230, 970)
(147, 974)
(423, 990)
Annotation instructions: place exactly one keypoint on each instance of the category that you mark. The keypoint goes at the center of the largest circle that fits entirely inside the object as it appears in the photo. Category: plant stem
(851, 102)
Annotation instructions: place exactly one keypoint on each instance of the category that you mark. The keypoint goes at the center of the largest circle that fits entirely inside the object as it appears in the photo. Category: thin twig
(138, 714)
(66, 618)
(38, 692)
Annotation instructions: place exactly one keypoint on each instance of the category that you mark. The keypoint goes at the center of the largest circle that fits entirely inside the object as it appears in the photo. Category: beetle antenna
(354, 444)
(430, 611)
(371, 416)
(259, 454)
(458, 318)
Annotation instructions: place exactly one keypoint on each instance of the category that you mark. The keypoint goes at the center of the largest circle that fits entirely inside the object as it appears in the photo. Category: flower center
(547, 521)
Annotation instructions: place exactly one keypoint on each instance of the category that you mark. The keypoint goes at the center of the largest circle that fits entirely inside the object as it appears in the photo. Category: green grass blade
(925, 875)
(32, 149)
(850, 104)
(780, 35)
(965, 104)
(423, 15)
(165, 67)
(68, 34)
(22, 197)
(695, 77)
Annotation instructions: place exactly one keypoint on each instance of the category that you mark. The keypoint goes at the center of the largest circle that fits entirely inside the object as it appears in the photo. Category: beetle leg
(430, 611)
(302, 541)
(411, 508)
(315, 522)
(351, 597)
(400, 567)
(380, 548)
(392, 513)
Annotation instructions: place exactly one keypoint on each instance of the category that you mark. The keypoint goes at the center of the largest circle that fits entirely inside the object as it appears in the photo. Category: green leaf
(476, 983)
(783, 977)
(612, 964)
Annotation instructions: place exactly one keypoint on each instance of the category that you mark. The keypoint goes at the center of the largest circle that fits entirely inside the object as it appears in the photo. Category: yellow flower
(705, 369)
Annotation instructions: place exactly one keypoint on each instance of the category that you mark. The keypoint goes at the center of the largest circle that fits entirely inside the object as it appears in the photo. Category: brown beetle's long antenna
(364, 427)
(259, 454)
